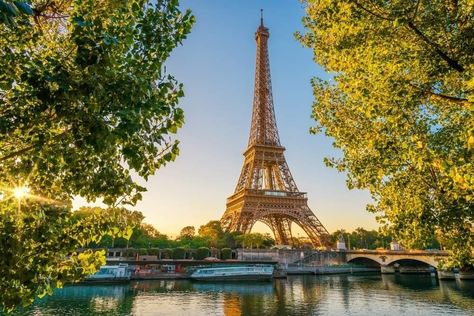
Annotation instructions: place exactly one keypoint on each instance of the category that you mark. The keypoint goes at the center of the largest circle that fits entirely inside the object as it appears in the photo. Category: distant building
(394, 245)
(341, 244)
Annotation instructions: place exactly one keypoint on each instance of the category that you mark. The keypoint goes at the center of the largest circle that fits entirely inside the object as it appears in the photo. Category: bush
(201, 253)
(226, 253)
(129, 252)
(166, 253)
(142, 251)
(153, 251)
(178, 253)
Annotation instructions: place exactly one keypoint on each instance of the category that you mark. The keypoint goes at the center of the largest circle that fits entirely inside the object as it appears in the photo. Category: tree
(253, 240)
(361, 238)
(147, 236)
(84, 98)
(166, 253)
(194, 243)
(187, 232)
(334, 237)
(400, 108)
(39, 245)
(268, 241)
(213, 232)
(149, 230)
(84, 102)
(179, 253)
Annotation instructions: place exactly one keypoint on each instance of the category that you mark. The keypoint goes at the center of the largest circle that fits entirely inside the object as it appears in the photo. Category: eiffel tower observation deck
(266, 190)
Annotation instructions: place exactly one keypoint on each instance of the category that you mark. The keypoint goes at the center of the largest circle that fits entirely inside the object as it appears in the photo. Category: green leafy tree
(268, 241)
(230, 240)
(179, 253)
(84, 102)
(361, 238)
(194, 243)
(147, 236)
(166, 253)
(226, 253)
(39, 245)
(400, 107)
(131, 253)
(153, 251)
(334, 237)
(187, 232)
(201, 253)
(149, 230)
(142, 251)
(253, 240)
(213, 232)
(84, 98)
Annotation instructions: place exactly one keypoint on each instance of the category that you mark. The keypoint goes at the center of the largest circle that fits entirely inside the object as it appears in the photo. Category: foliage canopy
(39, 245)
(400, 107)
(84, 102)
(84, 97)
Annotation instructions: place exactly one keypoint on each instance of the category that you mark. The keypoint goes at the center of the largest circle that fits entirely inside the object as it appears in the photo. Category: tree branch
(440, 95)
(451, 62)
(28, 148)
(416, 10)
(448, 97)
(17, 153)
(360, 6)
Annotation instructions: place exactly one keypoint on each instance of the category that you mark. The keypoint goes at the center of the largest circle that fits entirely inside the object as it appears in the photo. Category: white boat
(260, 272)
(110, 274)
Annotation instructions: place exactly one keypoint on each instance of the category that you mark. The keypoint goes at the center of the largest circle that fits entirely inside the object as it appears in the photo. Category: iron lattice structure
(266, 191)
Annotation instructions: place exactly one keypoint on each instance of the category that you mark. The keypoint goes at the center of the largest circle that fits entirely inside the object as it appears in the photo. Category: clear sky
(216, 65)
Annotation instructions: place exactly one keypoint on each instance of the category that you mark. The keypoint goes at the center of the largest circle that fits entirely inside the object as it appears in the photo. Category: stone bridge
(388, 259)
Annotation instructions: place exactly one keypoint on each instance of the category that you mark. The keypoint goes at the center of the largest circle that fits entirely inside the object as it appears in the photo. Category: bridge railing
(433, 252)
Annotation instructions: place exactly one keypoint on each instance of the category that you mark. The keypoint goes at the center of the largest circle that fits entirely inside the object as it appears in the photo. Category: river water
(298, 295)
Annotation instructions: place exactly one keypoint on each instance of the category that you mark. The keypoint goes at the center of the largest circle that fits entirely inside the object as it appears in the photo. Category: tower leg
(281, 228)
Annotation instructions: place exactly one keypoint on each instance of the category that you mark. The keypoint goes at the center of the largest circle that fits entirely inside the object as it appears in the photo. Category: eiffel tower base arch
(247, 208)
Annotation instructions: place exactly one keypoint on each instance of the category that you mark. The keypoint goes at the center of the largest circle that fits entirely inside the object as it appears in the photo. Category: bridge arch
(426, 261)
(282, 229)
(366, 261)
(389, 258)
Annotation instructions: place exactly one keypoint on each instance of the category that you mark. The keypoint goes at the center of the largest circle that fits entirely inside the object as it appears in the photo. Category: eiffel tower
(266, 191)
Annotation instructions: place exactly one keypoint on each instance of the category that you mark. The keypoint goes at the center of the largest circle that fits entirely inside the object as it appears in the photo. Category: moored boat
(110, 274)
(260, 272)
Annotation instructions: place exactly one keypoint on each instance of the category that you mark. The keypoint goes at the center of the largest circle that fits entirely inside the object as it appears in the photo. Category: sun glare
(21, 192)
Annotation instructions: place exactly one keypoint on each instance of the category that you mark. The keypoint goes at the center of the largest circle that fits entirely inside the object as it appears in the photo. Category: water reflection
(298, 295)
(240, 288)
(84, 300)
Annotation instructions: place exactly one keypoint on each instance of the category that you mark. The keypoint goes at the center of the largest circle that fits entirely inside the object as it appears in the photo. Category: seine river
(298, 295)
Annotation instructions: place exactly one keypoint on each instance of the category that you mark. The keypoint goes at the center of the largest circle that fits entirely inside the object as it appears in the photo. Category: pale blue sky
(216, 65)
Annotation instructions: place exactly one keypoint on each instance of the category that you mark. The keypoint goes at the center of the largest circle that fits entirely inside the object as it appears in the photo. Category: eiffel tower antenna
(266, 190)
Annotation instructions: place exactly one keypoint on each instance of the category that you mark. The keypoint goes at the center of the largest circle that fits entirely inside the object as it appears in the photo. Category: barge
(262, 272)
